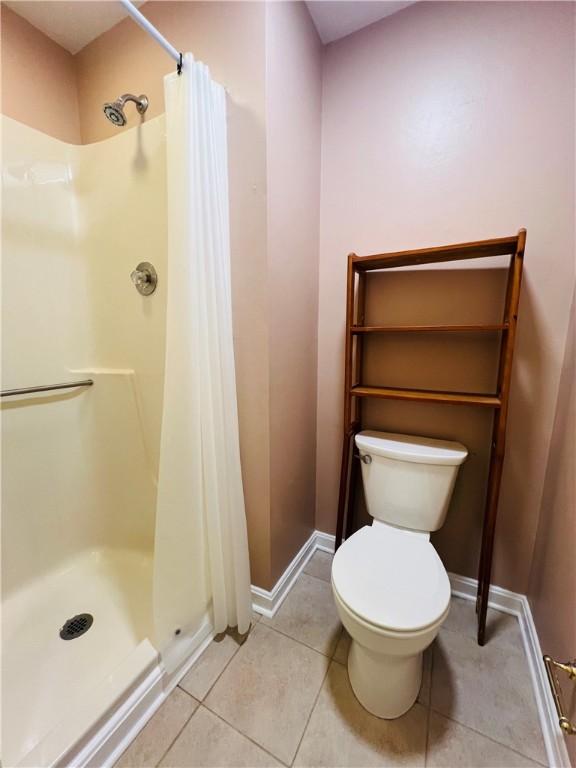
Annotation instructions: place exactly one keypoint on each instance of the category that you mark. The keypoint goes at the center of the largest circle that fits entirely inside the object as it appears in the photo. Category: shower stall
(80, 466)
(113, 579)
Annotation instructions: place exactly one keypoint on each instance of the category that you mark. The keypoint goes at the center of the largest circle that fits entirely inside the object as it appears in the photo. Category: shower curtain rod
(140, 19)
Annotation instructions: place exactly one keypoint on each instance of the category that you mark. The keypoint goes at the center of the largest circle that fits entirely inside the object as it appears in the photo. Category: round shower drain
(76, 626)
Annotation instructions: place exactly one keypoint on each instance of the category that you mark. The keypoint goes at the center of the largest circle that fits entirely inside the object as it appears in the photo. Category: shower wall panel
(121, 189)
(79, 466)
(47, 512)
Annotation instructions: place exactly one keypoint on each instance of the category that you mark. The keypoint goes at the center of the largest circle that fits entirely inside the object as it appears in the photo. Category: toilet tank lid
(422, 450)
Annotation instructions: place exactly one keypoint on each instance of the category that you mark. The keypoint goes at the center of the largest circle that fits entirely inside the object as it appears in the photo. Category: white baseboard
(120, 727)
(267, 602)
(326, 542)
(511, 602)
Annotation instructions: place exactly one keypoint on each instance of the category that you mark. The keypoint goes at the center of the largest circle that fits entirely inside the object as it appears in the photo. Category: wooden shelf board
(502, 246)
(356, 330)
(425, 395)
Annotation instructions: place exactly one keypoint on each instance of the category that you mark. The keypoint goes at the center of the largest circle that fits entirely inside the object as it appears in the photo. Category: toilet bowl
(390, 587)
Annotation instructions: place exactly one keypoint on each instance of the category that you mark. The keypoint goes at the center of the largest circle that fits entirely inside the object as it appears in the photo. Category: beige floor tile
(309, 615)
(209, 742)
(502, 629)
(320, 565)
(342, 733)
(209, 666)
(342, 648)
(488, 689)
(159, 732)
(451, 744)
(268, 690)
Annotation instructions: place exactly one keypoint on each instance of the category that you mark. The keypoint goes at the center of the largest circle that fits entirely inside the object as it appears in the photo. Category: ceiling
(75, 23)
(337, 18)
(71, 23)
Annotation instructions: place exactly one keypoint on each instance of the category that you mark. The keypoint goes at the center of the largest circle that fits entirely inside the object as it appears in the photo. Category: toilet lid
(392, 579)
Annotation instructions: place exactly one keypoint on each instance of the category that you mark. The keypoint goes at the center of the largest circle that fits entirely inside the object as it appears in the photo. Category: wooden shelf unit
(355, 391)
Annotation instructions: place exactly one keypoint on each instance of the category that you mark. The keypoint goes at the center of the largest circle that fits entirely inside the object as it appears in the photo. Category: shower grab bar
(46, 388)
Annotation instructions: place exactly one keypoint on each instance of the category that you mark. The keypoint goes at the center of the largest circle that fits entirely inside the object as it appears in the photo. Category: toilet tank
(408, 481)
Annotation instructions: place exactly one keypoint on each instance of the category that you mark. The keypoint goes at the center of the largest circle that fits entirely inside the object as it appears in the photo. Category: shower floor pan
(55, 691)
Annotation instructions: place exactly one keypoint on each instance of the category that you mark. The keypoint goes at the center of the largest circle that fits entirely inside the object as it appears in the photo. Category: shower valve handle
(140, 277)
(144, 278)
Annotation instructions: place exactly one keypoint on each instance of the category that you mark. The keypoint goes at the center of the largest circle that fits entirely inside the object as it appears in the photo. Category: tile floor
(283, 698)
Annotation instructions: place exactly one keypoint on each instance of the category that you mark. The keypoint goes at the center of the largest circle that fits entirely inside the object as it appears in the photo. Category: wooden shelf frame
(355, 392)
(484, 328)
(428, 395)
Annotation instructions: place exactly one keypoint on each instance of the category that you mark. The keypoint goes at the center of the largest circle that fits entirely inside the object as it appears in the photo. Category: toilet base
(386, 685)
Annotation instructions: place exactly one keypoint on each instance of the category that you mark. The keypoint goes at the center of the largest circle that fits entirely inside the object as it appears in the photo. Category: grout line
(183, 691)
(202, 704)
(508, 648)
(300, 642)
(244, 735)
(221, 671)
(312, 708)
(464, 725)
(328, 659)
(492, 639)
(311, 575)
(175, 739)
(486, 736)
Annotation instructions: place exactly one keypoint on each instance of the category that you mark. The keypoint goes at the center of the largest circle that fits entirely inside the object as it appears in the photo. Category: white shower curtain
(201, 550)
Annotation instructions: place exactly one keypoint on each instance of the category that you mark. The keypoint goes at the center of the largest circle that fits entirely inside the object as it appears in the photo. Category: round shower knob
(144, 278)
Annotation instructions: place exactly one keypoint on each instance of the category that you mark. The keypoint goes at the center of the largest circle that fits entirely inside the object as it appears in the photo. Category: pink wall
(38, 80)
(553, 573)
(449, 122)
(293, 114)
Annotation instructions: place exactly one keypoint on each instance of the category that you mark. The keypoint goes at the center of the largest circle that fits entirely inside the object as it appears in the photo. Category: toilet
(391, 589)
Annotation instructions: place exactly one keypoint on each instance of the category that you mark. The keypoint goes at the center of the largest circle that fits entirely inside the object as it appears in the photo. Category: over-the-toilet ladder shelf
(354, 391)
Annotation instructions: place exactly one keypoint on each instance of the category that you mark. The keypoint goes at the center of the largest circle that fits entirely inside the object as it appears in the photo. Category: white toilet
(391, 589)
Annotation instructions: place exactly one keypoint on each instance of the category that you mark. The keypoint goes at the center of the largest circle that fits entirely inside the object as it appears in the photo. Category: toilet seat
(391, 578)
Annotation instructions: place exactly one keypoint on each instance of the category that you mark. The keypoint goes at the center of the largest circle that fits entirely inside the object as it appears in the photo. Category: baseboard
(122, 726)
(326, 542)
(267, 602)
(511, 602)
(129, 717)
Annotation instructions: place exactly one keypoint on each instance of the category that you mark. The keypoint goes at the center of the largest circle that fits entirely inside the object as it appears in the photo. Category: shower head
(114, 110)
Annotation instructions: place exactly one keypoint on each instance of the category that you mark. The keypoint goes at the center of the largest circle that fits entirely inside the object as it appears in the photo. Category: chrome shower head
(115, 113)
(114, 110)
